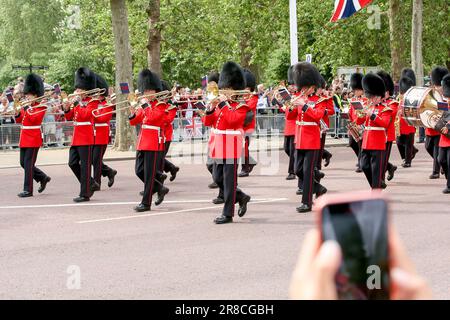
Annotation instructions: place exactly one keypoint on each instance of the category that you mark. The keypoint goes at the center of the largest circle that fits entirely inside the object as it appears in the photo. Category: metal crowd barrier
(59, 134)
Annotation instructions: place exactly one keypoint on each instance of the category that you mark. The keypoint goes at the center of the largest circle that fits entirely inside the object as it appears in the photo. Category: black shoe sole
(223, 221)
(243, 207)
(44, 185)
(173, 175)
(112, 179)
(161, 197)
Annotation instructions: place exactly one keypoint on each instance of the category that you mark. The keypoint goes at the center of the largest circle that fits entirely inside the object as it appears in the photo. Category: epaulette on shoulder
(160, 103)
(394, 102)
(386, 108)
(241, 105)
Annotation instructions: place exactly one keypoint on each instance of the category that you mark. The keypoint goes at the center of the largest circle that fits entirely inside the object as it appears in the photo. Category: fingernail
(331, 247)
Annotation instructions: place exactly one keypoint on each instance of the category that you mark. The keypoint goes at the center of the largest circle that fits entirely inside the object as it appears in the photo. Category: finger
(409, 286)
(397, 252)
(326, 265)
(310, 247)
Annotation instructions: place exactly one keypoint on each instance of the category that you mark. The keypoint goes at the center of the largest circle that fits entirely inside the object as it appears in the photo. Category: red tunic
(83, 132)
(431, 132)
(351, 111)
(329, 106)
(168, 129)
(227, 130)
(153, 120)
(252, 103)
(102, 124)
(375, 136)
(444, 142)
(307, 134)
(391, 129)
(31, 120)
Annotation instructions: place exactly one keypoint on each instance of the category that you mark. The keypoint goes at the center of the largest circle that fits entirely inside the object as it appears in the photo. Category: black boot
(142, 208)
(322, 190)
(81, 199)
(223, 220)
(291, 176)
(161, 194)
(391, 172)
(327, 158)
(218, 200)
(25, 194)
(173, 173)
(44, 184)
(304, 208)
(213, 185)
(243, 206)
(111, 177)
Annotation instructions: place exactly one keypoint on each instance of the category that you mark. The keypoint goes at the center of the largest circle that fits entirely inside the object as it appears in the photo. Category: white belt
(31, 127)
(146, 126)
(374, 129)
(305, 123)
(231, 132)
(82, 124)
(102, 125)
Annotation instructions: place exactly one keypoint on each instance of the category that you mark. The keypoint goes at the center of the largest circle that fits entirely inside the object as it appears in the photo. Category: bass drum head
(413, 100)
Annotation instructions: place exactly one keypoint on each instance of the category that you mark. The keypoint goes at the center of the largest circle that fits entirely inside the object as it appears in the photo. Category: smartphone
(358, 222)
(10, 97)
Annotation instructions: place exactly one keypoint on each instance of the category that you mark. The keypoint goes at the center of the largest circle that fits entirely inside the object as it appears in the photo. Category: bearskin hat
(165, 86)
(306, 74)
(446, 86)
(323, 82)
(102, 84)
(388, 82)
(356, 81)
(85, 79)
(408, 72)
(405, 84)
(290, 75)
(232, 77)
(213, 77)
(34, 85)
(437, 74)
(250, 80)
(148, 80)
(373, 85)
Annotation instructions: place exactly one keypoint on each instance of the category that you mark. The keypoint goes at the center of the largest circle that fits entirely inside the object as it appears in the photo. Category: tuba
(422, 108)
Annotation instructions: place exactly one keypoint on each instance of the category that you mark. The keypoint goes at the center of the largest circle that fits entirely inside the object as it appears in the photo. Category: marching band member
(289, 128)
(250, 124)
(79, 110)
(392, 104)
(329, 111)
(358, 96)
(101, 138)
(227, 117)
(166, 165)
(432, 136)
(212, 77)
(405, 142)
(152, 116)
(31, 136)
(376, 121)
(308, 110)
(444, 143)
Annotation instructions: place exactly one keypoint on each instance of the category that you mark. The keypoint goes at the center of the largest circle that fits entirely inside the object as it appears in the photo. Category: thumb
(408, 286)
(327, 264)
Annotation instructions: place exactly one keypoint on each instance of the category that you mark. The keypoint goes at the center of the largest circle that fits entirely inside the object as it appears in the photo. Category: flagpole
(293, 31)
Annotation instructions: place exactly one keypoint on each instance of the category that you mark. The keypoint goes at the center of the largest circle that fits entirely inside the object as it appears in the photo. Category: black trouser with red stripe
(100, 168)
(248, 162)
(444, 160)
(167, 165)
(356, 146)
(28, 158)
(405, 145)
(80, 161)
(432, 146)
(149, 161)
(372, 164)
(387, 155)
(289, 148)
(305, 162)
(323, 153)
(225, 175)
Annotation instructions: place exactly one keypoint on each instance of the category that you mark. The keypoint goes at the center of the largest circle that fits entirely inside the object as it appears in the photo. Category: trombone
(91, 93)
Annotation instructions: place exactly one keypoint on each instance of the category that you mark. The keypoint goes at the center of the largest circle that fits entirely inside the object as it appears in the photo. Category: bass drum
(421, 108)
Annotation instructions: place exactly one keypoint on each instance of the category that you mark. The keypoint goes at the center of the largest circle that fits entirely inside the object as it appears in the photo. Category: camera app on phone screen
(360, 228)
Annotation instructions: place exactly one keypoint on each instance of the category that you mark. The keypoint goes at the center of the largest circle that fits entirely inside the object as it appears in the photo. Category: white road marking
(171, 212)
(96, 204)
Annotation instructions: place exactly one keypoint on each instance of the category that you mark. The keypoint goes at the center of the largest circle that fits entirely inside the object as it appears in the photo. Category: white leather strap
(31, 127)
(82, 124)
(102, 125)
(374, 129)
(146, 126)
(229, 132)
(305, 123)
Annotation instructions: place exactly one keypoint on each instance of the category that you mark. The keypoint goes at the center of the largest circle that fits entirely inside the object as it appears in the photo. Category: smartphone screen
(360, 228)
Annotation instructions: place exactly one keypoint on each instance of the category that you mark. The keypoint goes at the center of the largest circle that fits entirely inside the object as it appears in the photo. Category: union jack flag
(346, 8)
(194, 128)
